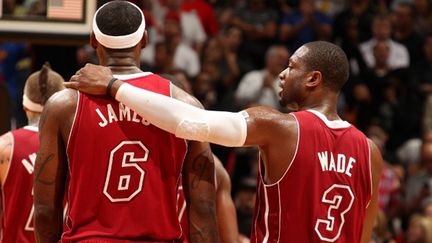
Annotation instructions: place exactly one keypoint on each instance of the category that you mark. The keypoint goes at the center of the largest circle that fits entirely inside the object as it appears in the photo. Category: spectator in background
(204, 90)
(163, 59)
(422, 71)
(400, 110)
(427, 209)
(261, 87)
(382, 29)
(404, 33)
(423, 17)
(259, 25)
(419, 186)
(244, 200)
(419, 230)
(349, 42)
(303, 25)
(360, 11)
(330, 7)
(184, 57)
(193, 33)
(205, 13)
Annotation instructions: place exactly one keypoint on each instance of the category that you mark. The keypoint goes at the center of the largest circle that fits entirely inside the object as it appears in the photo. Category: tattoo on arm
(4, 158)
(203, 235)
(43, 165)
(200, 165)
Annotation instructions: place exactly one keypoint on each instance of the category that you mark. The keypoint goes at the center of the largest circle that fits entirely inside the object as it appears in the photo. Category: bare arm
(6, 145)
(226, 211)
(199, 186)
(50, 172)
(372, 210)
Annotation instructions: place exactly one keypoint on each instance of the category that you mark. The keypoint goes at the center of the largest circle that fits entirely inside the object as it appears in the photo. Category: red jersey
(182, 214)
(124, 172)
(323, 195)
(17, 189)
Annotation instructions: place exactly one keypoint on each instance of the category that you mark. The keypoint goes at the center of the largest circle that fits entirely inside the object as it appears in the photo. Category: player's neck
(124, 69)
(327, 107)
(122, 64)
(33, 121)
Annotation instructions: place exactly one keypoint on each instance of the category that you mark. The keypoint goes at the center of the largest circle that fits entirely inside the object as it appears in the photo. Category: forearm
(184, 120)
(48, 224)
(202, 222)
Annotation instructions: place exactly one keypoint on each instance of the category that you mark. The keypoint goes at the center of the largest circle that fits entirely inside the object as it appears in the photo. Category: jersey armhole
(71, 132)
(370, 172)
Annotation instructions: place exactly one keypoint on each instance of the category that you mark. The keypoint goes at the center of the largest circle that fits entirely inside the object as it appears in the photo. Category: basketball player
(123, 172)
(318, 175)
(18, 150)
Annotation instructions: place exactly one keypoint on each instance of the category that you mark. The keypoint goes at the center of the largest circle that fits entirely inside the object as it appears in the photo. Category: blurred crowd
(229, 54)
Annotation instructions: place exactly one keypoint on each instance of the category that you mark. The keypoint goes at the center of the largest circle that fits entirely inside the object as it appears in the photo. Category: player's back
(124, 172)
(17, 195)
(323, 195)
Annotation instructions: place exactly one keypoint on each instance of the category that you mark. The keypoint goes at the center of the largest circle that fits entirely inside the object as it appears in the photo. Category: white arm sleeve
(184, 120)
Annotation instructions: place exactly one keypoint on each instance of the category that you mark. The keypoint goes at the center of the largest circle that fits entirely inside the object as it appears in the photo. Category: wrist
(115, 87)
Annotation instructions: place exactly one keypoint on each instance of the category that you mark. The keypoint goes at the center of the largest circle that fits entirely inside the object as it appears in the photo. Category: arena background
(235, 50)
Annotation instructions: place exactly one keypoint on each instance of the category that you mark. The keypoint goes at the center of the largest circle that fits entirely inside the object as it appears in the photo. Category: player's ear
(144, 39)
(93, 41)
(314, 79)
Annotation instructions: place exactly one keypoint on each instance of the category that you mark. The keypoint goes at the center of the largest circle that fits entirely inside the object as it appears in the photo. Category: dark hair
(43, 81)
(330, 60)
(118, 18)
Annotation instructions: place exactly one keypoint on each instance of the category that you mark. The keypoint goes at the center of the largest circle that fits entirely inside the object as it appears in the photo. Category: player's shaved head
(118, 18)
(330, 60)
(42, 84)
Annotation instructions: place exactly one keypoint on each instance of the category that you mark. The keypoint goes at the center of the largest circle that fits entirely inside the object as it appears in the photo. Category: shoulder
(271, 120)
(6, 142)
(270, 114)
(62, 101)
(60, 109)
(181, 95)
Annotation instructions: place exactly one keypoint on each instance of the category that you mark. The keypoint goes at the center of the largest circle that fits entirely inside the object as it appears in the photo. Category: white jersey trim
(131, 76)
(292, 160)
(335, 124)
(258, 210)
(74, 120)
(31, 128)
(266, 213)
(280, 214)
(370, 173)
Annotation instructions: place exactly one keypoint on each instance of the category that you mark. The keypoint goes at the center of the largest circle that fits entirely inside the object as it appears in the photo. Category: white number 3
(340, 199)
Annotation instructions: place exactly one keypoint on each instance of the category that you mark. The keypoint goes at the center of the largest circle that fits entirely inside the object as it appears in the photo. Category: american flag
(65, 9)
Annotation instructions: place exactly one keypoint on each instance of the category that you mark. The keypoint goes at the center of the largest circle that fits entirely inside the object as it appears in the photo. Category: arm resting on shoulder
(184, 120)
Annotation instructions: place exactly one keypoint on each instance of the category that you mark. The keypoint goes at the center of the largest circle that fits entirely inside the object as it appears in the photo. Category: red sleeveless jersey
(124, 172)
(17, 190)
(323, 195)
